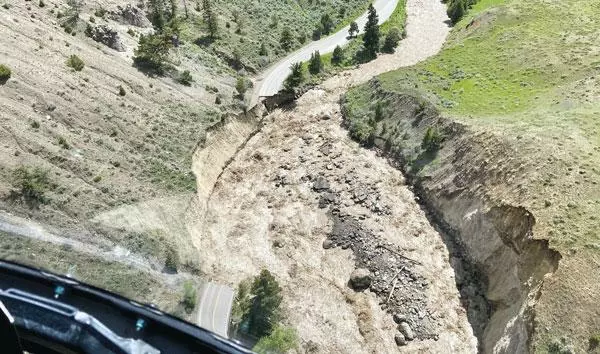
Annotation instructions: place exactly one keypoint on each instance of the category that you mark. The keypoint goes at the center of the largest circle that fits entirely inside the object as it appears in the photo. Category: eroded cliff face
(467, 186)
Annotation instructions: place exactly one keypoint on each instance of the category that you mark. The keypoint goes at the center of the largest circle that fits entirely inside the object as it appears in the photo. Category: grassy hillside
(245, 25)
(526, 72)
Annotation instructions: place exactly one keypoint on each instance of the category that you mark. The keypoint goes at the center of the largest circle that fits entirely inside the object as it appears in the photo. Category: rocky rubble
(131, 15)
(380, 266)
(105, 35)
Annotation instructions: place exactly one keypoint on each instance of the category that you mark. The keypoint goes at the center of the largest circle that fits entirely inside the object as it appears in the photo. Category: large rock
(321, 184)
(131, 15)
(406, 331)
(105, 35)
(360, 279)
(400, 339)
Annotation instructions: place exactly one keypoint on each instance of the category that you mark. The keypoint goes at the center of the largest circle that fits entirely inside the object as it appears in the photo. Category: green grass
(257, 19)
(397, 19)
(526, 73)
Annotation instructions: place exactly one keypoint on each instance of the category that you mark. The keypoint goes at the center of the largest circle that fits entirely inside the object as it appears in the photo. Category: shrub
(391, 40)
(131, 32)
(35, 124)
(295, 78)
(189, 296)
(281, 340)
(263, 50)
(31, 185)
(75, 62)
(286, 40)
(241, 87)
(338, 56)
(5, 73)
(100, 12)
(456, 10)
(97, 179)
(432, 141)
(63, 143)
(171, 259)
(122, 91)
(41, 4)
(185, 78)
(594, 342)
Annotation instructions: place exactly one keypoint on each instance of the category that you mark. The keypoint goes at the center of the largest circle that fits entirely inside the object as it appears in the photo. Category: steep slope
(505, 154)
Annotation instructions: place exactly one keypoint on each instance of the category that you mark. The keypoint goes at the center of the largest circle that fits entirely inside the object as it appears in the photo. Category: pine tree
(158, 14)
(265, 312)
(391, 41)
(371, 37)
(286, 40)
(210, 18)
(353, 29)
(338, 56)
(295, 78)
(315, 65)
(326, 24)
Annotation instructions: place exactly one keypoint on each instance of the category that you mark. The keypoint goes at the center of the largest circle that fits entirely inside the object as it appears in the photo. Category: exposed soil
(304, 201)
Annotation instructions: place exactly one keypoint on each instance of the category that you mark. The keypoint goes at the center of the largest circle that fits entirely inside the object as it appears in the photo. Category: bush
(281, 340)
(185, 78)
(189, 296)
(432, 141)
(31, 185)
(5, 73)
(295, 78)
(152, 52)
(594, 342)
(75, 62)
(122, 91)
(391, 41)
(171, 259)
(456, 10)
(338, 56)
(63, 143)
(241, 86)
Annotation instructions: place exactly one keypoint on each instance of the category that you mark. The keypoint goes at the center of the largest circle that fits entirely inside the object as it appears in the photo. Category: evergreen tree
(371, 37)
(286, 40)
(353, 29)
(326, 24)
(295, 78)
(210, 18)
(456, 10)
(152, 52)
(315, 65)
(265, 312)
(157, 18)
(391, 41)
(338, 56)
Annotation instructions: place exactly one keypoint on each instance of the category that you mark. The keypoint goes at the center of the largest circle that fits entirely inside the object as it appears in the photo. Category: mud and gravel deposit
(299, 182)
(301, 199)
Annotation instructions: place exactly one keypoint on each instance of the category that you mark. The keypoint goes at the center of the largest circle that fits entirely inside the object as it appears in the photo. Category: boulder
(131, 15)
(105, 35)
(327, 244)
(360, 279)
(406, 331)
(400, 339)
(321, 184)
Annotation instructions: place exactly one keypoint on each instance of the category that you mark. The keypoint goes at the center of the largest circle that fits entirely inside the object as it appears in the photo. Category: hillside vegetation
(98, 148)
(522, 78)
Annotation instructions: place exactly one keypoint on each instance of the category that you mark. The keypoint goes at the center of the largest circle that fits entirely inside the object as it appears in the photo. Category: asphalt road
(214, 310)
(272, 80)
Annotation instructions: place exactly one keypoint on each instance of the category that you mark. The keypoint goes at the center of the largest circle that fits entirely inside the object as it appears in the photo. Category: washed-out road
(272, 80)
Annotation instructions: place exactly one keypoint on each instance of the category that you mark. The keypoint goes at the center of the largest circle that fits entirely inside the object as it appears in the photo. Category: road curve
(272, 80)
(214, 310)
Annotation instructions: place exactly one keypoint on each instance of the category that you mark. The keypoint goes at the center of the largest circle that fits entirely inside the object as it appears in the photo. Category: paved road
(272, 80)
(214, 310)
